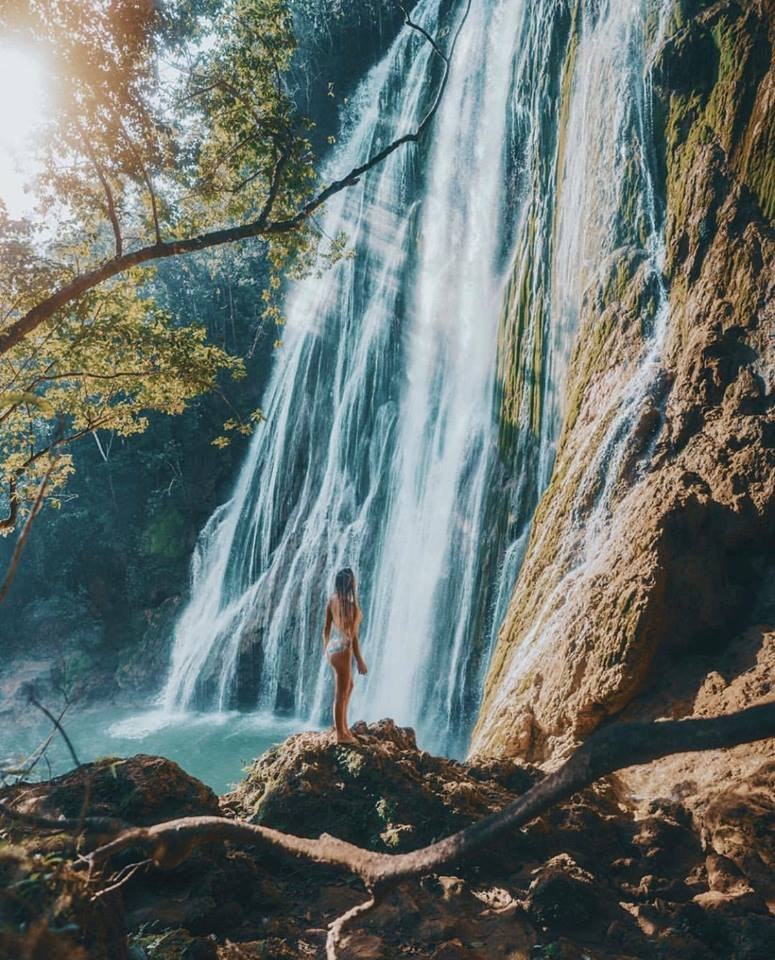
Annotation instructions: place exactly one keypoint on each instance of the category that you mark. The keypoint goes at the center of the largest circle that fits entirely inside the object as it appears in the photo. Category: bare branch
(58, 726)
(35, 757)
(24, 535)
(109, 200)
(423, 32)
(274, 186)
(154, 210)
(9, 522)
(122, 877)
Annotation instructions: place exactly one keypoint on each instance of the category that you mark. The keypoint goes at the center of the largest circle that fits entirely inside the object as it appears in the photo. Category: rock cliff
(653, 544)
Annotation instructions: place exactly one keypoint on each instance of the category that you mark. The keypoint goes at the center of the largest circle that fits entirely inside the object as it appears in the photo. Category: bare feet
(346, 738)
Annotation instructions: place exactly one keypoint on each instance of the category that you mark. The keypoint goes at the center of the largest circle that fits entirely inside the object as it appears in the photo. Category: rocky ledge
(599, 876)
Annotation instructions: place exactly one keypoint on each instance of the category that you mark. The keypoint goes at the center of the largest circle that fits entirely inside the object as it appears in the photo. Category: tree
(173, 131)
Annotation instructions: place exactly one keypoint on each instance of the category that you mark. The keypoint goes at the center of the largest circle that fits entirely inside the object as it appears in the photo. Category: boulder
(738, 825)
(140, 790)
(382, 793)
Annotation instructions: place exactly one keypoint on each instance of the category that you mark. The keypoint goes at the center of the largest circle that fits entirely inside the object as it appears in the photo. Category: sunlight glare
(22, 102)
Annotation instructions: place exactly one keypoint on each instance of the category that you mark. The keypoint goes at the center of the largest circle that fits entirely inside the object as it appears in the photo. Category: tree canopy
(172, 129)
(166, 121)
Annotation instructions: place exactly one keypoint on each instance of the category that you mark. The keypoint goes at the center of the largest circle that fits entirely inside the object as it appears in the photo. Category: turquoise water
(215, 747)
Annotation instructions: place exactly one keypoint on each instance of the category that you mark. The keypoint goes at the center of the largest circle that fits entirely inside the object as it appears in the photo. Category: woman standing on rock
(344, 614)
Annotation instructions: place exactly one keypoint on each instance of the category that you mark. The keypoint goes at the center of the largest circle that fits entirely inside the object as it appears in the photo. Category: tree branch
(9, 522)
(109, 200)
(57, 726)
(423, 32)
(260, 227)
(274, 186)
(24, 535)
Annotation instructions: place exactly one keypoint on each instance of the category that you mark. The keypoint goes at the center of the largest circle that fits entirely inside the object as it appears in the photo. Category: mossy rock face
(650, 535)
(165, 535)
(141, 665)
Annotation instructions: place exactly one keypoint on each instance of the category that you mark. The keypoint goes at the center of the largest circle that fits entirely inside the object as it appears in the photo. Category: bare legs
(347, 699)
(342, 666)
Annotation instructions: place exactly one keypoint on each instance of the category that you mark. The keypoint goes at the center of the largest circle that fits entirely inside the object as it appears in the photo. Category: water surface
(214, 747)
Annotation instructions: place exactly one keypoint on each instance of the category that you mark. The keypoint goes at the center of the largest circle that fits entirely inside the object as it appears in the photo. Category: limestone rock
(659, 546)
(141, 790)
(739, 825)
(597, 876)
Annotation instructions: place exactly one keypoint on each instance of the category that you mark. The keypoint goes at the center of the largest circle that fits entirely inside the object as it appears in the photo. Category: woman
(343, 613)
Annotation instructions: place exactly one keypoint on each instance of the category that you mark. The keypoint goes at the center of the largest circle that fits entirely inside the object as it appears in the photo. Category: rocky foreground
(600, 876)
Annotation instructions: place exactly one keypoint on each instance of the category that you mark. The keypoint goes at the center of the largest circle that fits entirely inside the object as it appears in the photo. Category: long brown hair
(347, 602)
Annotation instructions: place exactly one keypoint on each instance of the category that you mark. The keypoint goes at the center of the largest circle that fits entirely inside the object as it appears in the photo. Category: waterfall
(415, 407)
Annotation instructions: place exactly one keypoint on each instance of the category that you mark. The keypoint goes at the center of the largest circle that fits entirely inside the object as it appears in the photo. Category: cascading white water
(383, 447)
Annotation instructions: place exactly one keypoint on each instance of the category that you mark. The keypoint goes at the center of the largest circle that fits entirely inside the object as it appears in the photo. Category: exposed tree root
(99, 825)
(607, 750)
(336, 929)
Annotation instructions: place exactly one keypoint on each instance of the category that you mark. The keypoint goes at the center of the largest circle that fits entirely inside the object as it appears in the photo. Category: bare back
(342, 621)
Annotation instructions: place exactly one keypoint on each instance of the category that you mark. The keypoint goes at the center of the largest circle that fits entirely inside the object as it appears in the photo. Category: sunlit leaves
(168, 120)
(100, 366)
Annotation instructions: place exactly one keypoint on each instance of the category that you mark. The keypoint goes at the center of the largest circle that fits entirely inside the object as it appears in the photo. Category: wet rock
(210, 892)
(593, 878)
(143, 663)
(657, 546)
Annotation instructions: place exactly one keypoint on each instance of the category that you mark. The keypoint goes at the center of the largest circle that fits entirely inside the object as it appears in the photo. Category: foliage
(173, 131)
(95, 549)
(167, 120)
(113, 356)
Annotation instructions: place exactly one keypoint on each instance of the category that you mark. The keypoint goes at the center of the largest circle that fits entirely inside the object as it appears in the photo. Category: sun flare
(22, 104)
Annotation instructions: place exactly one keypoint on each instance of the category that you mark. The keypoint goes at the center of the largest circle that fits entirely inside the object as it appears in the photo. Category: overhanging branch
(260, 227)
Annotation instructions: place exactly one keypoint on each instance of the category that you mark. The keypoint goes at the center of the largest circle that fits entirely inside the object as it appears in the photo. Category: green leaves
(101, 366)
(167, 120)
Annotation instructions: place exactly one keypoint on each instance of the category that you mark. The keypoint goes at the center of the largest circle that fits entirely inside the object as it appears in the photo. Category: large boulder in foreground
(383, 793)
(46, 910)
(595, 877)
